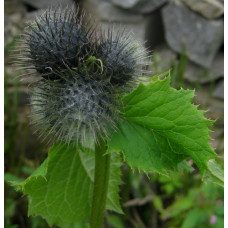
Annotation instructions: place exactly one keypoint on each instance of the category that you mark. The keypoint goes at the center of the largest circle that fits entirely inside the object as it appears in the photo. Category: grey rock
(139, 6)
(196, 73)
(126, 4)
(108, 15)
(219, 90)
(154, 34)
(107, 12)
(12, 27)
(201, 38)
(149, 6)
(138, 30)
(43, 4)
(14, 13)
(30, 16)
(14, 6)
(210, 9)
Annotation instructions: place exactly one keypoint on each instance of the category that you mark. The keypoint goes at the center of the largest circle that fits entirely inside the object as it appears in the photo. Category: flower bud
(76, 108)
(56, 39)
(123, 57)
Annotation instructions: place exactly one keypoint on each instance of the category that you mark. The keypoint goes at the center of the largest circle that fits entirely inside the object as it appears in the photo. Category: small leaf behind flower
(215, 173)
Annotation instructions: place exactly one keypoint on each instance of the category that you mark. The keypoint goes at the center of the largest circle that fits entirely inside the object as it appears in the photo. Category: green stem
(101, 180)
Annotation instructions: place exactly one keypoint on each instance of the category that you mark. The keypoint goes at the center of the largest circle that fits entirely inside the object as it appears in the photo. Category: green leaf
(184, 167)
(195, 218)
(13, 180)
(9, 209)
(157, 201)
(178, 207)
(215, 173)
(219, 210)
(115, 222)
(77, 225)
(10, 178)
(61, 189)
(161, 128)
(12, 226)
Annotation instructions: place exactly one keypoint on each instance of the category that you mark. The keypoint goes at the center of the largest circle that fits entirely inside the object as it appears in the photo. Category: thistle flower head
(82, 74)
(55, 39)
(123, 56)
(75, 108)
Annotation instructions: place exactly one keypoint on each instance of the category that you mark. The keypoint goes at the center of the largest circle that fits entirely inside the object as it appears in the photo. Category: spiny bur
(77, 108)
(56, 39)
(123, 56)
(78, 95)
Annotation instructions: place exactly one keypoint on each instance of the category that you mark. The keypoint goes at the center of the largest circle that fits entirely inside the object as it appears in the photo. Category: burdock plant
(89, 103)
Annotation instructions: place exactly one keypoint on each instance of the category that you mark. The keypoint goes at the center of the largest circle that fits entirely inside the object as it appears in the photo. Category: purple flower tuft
(213, 219)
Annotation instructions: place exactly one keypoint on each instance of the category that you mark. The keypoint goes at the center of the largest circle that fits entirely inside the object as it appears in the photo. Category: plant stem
(101, 180)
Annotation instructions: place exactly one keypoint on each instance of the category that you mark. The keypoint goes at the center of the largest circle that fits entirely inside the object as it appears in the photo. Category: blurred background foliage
(149, 201)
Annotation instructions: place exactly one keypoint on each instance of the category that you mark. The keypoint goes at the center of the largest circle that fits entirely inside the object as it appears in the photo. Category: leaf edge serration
(190, 96)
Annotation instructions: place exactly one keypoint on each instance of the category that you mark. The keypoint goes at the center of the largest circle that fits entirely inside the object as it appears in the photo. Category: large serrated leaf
(61, 189)
(161, 128)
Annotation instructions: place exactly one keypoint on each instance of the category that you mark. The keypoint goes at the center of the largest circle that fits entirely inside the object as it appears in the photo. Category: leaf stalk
(101, 180)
